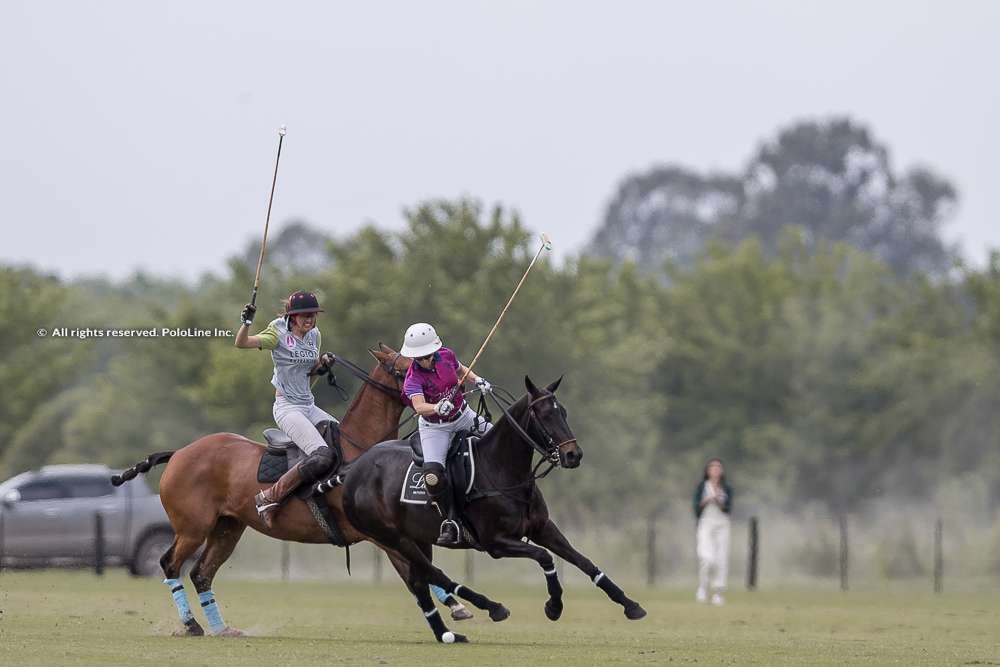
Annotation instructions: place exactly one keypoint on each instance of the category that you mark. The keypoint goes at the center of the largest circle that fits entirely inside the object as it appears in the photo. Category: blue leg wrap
(180, 599)
(440, 593)
(212, 613)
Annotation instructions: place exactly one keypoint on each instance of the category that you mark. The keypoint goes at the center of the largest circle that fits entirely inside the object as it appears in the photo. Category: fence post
(3, 513)
(376, 564)
(938, 556)
(843, 552)
(469, 566)
(651, 550)
(98, 544)
(286, 560)
(752, 546)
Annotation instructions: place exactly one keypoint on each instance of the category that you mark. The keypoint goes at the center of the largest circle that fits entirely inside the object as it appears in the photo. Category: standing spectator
(713, 501)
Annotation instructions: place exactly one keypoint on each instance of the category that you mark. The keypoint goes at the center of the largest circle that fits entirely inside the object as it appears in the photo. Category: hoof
(553, 609)
(230, 632)
(634, 612)
(191, 629)
(461, 614)
(499, 613)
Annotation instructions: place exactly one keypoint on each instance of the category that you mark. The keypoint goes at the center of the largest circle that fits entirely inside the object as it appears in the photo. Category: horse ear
(555, 385)
(532, 389)
(375, 353)
(385, 348)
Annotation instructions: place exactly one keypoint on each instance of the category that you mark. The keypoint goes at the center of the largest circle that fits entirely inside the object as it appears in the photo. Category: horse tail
(143, 466)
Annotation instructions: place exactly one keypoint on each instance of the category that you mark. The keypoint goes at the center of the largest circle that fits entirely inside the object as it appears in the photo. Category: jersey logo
(289, 341)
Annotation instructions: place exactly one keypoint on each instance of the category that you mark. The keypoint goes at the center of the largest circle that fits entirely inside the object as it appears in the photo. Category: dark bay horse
(507, 508)
(208, 486)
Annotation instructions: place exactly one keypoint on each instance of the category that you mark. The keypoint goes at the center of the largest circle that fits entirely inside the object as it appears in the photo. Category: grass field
(75, 618)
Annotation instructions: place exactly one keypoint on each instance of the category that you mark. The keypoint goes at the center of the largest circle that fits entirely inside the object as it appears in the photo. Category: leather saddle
(457, 440)
(281, 448)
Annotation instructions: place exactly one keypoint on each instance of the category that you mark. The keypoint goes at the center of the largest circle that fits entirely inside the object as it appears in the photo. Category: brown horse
(208, 487)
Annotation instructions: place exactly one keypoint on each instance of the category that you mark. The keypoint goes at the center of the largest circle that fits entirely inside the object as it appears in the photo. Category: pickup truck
(48, 517)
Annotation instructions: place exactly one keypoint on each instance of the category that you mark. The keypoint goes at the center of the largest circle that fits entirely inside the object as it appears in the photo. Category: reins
(361, 374)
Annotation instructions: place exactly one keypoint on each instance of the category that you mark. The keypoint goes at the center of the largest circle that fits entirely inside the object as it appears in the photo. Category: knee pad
(435, 478)
(317, 464)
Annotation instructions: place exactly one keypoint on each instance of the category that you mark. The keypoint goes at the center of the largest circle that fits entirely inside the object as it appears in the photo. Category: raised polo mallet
(267, 221)
(546, 245)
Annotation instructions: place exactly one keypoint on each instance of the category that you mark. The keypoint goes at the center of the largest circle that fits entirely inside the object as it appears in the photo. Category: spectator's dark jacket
(700, 489)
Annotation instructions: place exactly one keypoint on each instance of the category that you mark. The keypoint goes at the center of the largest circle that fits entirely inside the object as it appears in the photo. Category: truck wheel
(146, 562)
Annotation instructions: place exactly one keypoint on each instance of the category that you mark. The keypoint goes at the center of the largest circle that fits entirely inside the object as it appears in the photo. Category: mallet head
(546, 241)
(282, 130)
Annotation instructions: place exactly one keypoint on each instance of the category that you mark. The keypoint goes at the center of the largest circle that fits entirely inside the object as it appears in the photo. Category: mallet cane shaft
(267, 221)
(546, 245)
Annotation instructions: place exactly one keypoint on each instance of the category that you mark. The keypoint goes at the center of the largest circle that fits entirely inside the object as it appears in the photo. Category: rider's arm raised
(265, 340)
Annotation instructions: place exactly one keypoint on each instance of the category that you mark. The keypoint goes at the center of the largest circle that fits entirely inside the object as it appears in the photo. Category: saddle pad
(273, 466)
(414, 491)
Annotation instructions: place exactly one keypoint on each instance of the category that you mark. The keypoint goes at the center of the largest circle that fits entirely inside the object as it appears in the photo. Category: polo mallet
(267, 220)
(546, 245)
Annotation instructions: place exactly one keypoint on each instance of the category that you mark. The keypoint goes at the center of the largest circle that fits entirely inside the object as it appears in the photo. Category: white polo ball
(448, 637)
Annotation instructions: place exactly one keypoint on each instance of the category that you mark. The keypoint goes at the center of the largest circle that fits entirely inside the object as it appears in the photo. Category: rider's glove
(484, 385)
(249, 311)
(444, 407)
(327, 359)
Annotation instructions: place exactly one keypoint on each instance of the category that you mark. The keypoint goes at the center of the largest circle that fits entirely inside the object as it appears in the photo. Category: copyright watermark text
(152, 332)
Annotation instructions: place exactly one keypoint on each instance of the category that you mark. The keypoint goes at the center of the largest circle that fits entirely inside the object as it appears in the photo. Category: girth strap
(321, 513)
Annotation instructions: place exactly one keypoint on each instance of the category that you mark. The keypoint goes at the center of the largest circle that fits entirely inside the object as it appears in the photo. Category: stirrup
(447, 537)
(263, 504)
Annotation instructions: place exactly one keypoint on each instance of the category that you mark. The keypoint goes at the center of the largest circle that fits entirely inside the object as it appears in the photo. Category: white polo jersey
(292, 357)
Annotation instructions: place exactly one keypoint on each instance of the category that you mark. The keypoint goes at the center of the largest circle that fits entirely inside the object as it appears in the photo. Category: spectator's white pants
(299, 423)
(713, 550)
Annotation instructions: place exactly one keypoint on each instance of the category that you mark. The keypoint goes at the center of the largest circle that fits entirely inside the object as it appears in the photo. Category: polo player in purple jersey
(431, 388)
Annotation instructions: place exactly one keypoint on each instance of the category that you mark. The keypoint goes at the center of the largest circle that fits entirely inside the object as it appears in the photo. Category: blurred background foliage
(802, 319)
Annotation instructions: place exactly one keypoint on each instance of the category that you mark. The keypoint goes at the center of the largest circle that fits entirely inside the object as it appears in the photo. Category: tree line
(823, 363)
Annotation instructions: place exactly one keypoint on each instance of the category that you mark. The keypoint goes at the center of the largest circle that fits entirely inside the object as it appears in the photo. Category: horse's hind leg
(221, 542)
(550, 537)
(418, 586)
(183, 548)
(412, 552)
(519, 549)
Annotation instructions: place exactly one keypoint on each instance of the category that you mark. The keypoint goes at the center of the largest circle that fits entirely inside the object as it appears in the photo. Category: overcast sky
(142, 134)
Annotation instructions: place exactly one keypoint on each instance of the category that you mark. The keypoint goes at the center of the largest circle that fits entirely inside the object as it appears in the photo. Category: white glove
(444, 407)
(484, 385)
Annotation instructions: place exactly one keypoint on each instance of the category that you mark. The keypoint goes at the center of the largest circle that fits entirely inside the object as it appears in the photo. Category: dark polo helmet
(302, 302)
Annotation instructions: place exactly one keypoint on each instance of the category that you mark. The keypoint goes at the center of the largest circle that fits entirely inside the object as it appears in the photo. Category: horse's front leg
(519, 549)
(550, 537)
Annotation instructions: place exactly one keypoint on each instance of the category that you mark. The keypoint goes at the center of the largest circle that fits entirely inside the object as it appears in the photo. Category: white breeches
(299, 423)
(435, 438)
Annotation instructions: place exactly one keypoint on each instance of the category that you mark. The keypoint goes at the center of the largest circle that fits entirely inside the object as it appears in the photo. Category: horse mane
(516, 410)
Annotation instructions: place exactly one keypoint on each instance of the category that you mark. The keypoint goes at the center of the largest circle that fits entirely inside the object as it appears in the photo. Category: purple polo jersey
(435, 383)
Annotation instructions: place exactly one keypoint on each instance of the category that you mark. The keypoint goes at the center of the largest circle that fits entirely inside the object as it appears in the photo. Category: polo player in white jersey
(294, 341)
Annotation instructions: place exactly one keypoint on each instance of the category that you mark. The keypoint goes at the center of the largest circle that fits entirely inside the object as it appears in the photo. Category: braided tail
(154, 459)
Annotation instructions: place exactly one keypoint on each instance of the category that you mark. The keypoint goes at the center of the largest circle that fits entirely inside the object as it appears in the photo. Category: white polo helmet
(420, 340)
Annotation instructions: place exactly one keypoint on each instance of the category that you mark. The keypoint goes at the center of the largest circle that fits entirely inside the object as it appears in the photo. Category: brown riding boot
(269, 500)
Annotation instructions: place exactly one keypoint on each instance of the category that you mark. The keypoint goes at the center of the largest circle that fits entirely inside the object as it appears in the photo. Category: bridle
(551, 450)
